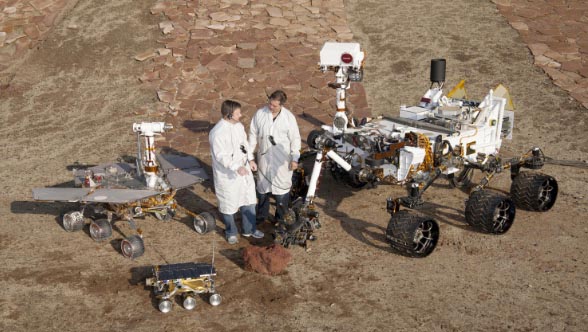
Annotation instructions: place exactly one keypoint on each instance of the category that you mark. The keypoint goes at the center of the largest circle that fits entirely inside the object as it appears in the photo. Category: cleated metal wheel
(189, 302)
(165, 306)
(215, 299)
(463, 178)
(204, 223)
(132, 247)
(490, 212)
(100, 229)
(73, 221)
(412, 234)
(534, 191)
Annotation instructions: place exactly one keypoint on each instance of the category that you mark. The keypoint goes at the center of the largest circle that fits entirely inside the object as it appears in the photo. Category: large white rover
(443, 135)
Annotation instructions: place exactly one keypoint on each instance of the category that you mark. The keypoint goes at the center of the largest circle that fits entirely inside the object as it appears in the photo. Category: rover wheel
(189, 302)
(350, 178)
(132, 247)
(490, 212)
(312, 136)
(534, 191)
(463, 178)
(412, 234)
(73, 221)
(215, 299)
(100, 229)
(204, 223)
(165, 306)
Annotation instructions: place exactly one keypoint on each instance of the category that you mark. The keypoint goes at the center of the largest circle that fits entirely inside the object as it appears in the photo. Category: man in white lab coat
(232, 163)
(274, 131)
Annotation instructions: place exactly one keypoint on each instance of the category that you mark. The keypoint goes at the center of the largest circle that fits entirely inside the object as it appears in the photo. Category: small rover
(183, 279)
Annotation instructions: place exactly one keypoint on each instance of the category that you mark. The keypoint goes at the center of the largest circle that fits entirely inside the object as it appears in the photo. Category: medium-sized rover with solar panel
(125, 191)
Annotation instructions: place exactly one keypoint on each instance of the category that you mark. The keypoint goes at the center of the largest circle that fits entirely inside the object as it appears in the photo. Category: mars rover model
(125, 191)
(185, 279)
(443, 136)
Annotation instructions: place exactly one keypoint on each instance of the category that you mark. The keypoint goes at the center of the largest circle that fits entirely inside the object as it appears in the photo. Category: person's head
(276, 100)
(231, 110)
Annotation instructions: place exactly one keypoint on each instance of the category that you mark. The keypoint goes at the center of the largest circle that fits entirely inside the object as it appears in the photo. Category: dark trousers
(263, 204)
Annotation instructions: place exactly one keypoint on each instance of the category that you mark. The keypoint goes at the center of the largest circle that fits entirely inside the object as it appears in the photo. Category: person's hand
(242, 171)
(293, 165)
(253, 165)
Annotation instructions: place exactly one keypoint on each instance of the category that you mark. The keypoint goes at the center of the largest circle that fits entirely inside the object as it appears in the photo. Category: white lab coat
(273, 161)
(232, 189)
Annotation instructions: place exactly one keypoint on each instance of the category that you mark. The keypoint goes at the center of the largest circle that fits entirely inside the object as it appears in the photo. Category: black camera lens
(271, 139)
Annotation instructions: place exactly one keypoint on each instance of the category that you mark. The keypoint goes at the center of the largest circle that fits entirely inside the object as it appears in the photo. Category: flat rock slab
(558, 47)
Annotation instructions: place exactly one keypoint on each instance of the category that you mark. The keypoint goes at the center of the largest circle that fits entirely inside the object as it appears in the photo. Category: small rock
(520, 26)
(222, 50)
(165, 96)
(14, 36)
(247, 46)
(145, 55)
(246, 63)
(219, 16)
(10, 10)
(314, 10)
(341, 29)
(73, 26)
(279, 21)
(274, 12)
(538, 48)
(216, 26)
(544, 61)
(251, 80)
(236, 2)
(163, 51)
(166, 26)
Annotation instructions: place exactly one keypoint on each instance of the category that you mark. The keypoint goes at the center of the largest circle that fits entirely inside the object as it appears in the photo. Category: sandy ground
(73, 100)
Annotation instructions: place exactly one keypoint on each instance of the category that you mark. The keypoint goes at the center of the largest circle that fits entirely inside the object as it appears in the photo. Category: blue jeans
(248, 219)
(263, 204)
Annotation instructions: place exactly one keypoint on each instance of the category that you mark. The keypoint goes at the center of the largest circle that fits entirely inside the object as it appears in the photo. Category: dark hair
(228, 107)
(278, 95)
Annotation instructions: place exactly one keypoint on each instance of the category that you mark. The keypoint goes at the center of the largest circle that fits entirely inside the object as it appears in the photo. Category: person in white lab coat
(274, 131)
(232, 164)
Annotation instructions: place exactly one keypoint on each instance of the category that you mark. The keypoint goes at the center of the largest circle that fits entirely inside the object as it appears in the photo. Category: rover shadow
(41, 207)
(445, 214)
(207, 184)
(197, 126)
(55, 209)
(190, 201)
(235, 256)
(311, 119)
(138, 276)
(361, 230)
